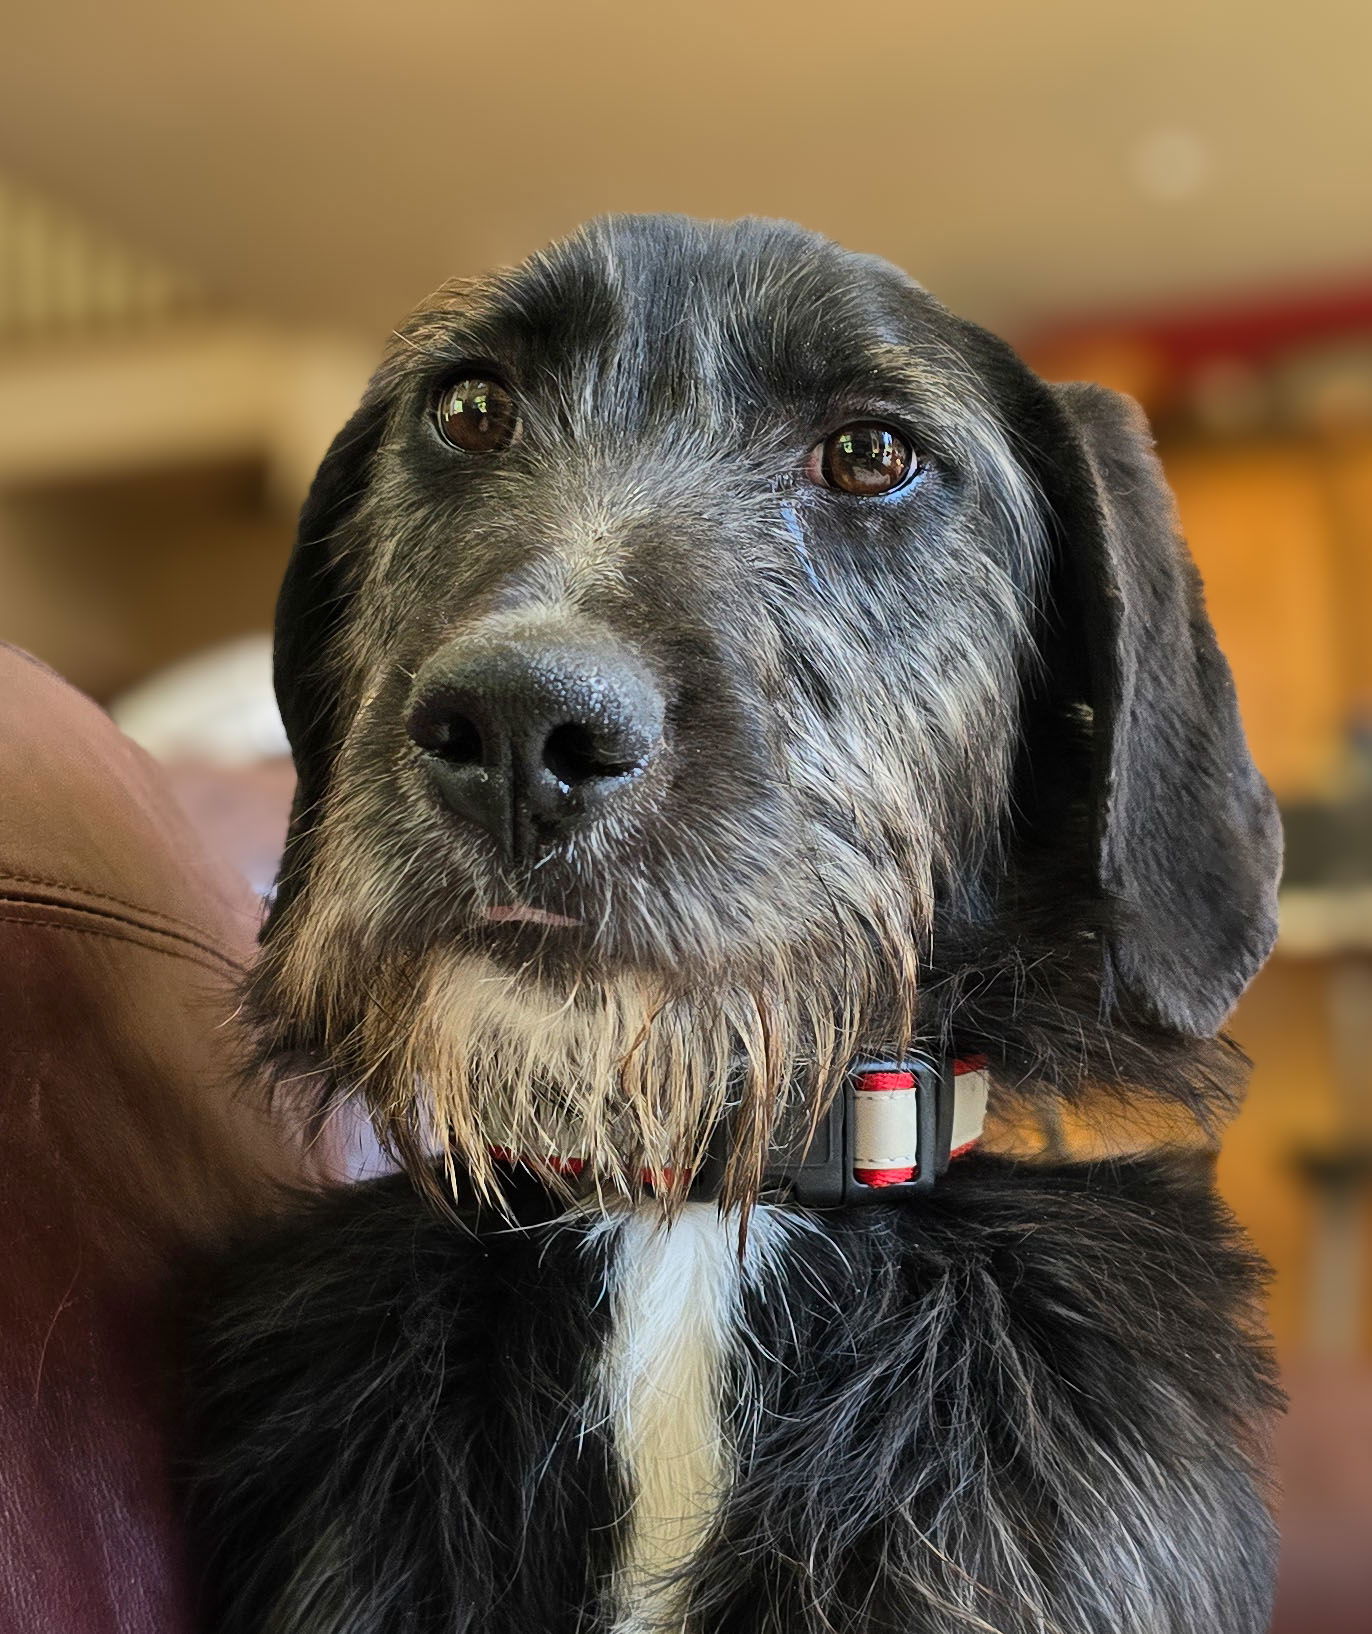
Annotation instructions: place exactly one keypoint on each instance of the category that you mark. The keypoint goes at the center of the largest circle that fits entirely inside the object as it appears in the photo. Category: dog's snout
(529, 736)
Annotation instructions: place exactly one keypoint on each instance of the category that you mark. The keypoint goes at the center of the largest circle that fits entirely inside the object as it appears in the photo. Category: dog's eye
(862, 459)
(478, 416)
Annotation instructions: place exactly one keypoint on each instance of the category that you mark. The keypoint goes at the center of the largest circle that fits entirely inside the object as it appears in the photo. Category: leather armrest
(127, 1143)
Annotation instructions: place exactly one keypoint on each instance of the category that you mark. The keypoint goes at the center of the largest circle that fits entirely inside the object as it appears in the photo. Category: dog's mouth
(521, 913)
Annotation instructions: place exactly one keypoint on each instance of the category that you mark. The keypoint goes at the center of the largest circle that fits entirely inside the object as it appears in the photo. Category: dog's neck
(893, 1128)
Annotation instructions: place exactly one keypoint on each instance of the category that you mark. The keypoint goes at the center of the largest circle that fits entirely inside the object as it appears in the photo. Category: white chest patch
(676, 1294)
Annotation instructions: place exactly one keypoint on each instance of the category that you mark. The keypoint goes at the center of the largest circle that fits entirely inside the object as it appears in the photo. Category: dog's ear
(311, 609)
(1184, 830)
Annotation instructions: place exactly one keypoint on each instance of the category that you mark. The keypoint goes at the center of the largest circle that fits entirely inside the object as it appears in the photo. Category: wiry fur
(394, 1426)
(1039, 1416)
(677, 1296)
(1028, 1404)
(776, 933)
(958, 766)
(842, 801)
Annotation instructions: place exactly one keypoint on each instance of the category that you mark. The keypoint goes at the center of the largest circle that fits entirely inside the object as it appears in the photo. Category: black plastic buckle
(820, 1173)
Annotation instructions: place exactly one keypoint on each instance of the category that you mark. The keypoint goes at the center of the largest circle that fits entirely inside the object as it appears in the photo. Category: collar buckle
(889, 1134)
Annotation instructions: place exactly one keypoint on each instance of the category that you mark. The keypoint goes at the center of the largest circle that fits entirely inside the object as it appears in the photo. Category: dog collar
(893, 1131)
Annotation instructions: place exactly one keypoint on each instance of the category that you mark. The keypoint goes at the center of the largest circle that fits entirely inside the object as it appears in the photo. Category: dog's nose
(529, 736)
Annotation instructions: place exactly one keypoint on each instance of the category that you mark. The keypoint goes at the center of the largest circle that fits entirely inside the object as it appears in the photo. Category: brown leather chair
(125, 1148)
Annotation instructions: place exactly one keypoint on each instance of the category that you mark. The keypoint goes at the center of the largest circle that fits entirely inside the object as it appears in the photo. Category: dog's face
(662, 656)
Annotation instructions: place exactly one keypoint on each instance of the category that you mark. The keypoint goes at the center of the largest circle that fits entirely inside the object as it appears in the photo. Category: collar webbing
(892, 1131)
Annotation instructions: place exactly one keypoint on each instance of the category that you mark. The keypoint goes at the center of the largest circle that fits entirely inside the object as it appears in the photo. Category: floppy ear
(311, 609)
(1185, 832)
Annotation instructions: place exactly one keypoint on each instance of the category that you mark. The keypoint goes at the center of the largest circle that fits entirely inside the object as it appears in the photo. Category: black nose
(530, 735)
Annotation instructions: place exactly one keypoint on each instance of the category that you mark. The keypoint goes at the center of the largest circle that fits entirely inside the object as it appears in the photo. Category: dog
(712, 668)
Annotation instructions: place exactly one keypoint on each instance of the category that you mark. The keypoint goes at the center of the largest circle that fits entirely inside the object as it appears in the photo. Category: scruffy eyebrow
(821, 358)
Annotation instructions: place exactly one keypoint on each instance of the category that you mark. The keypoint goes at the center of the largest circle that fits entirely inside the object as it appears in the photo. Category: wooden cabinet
(1282, 533)
(1260, 521)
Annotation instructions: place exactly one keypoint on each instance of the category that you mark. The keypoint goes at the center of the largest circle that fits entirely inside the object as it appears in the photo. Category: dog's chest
(673, 1390)
(880, 1417)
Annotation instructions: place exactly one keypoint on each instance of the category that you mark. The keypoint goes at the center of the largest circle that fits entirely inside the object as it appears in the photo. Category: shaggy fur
(959, 766)
(1027, 1402)
(979, 727)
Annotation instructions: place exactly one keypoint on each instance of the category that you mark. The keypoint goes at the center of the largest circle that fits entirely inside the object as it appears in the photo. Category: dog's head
(695, 631)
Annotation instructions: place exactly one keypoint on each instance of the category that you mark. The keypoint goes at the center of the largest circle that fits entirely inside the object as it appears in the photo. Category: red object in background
(1255, 330)
(1154, 355)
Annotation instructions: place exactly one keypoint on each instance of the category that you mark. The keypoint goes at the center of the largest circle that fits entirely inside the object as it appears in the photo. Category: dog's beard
(687, 1014)
(626, 1073)
(458, 1055)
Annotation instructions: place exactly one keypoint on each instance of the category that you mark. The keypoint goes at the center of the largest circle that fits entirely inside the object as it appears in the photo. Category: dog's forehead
(660, 274)
(670, 296)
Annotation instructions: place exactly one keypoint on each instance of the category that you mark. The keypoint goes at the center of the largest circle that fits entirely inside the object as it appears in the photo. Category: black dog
(709, 665)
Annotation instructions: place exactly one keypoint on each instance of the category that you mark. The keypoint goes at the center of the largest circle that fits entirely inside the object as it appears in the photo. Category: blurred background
(211, 217)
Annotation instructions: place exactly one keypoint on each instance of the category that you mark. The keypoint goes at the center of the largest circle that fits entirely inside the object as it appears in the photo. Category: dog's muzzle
(531, 736)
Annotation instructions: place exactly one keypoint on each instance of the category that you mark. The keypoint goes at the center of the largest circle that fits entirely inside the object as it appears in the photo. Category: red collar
(894, 1130)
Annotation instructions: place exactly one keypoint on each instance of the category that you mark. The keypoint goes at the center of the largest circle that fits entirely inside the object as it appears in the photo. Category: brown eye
(862, 459)
(477, 415)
